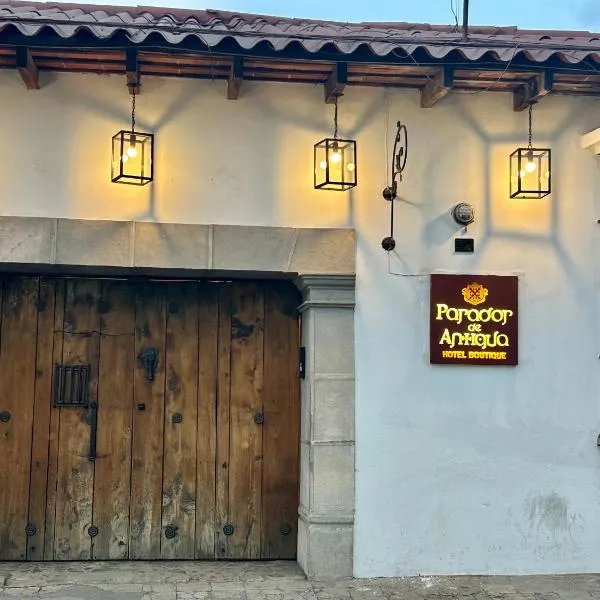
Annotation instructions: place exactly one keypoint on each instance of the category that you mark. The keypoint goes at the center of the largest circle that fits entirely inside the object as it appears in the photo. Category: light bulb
(530, 166)
(323, 164)
(132, 151)
(350, 167)
(124, 158)
(336, 157)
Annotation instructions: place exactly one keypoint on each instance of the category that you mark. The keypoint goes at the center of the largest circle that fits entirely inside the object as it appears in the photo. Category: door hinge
(302, 363)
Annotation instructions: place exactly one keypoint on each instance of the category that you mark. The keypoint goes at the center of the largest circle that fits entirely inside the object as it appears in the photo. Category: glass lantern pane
(530, 173)
(335, 164)
(321, 166)
(132, 157)
(117, 142)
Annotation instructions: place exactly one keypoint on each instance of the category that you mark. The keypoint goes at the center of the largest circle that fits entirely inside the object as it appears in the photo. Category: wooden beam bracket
(531, 92)
(336, 82)
(27, 68)
(438, 87)
(236, 78)
(132, 71)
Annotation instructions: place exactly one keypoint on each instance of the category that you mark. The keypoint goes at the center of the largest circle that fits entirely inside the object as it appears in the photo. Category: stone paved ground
(265, 581)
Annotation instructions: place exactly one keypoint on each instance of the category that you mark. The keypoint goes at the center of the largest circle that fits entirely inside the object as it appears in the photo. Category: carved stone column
(326, 514)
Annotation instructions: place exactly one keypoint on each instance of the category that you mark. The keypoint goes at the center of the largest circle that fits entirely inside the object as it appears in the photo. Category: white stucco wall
(459, 469)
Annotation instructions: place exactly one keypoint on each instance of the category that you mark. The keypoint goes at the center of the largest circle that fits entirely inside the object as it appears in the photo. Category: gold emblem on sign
(475, 294)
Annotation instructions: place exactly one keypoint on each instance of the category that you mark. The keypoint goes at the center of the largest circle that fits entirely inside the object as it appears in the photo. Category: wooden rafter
(336, 82)
(527, 84)
(27, 69)
(132, 71)
(534, 89)
(438, 87)
(236, 78)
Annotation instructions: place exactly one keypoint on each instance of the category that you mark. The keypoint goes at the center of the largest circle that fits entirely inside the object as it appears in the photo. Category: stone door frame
(321, 262)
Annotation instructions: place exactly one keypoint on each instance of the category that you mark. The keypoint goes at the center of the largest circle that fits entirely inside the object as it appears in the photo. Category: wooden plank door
(148, 424)
(198, 460)
(257, 422)
(181, 423)
(19, 317)
(75, 471)
(112, 471)
(281, 430)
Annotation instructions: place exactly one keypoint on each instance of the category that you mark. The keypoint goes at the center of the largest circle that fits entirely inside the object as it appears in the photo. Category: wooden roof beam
(529, 93)
(27, 68)
(236, 78)
(132, 71)
(336, 82)
(438, 87)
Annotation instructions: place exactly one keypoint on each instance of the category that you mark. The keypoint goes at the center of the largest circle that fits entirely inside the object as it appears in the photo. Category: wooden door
(192, 456)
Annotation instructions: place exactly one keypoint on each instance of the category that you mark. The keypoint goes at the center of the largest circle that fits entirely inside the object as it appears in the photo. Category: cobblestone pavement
(265, 581)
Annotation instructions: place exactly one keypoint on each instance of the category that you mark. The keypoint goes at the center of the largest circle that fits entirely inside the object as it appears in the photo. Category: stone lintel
(243, 250)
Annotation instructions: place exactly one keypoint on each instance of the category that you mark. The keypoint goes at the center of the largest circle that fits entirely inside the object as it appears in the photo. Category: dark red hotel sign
(474, 320)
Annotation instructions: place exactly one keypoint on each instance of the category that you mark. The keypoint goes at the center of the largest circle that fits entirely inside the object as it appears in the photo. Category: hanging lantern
(530, 170)
(132, 154)
(335, 161)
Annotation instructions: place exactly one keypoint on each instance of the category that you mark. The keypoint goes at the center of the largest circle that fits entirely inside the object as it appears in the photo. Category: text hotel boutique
(344, 312)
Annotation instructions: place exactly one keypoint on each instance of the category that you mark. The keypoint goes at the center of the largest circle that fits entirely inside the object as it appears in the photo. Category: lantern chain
(335, 119)
(133, 110)
(530, 126)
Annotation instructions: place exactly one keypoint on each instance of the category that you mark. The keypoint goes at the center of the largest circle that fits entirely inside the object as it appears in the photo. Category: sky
(528, 14)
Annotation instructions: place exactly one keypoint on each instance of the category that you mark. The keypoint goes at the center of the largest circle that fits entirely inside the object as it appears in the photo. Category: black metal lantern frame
(132, 154)
(335, 166)
(530, 170)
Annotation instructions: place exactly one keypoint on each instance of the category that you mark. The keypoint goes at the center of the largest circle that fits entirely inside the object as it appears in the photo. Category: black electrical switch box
(464, 245)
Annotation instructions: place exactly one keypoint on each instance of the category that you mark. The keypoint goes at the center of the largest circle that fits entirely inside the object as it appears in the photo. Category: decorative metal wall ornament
(399, 156)
(530, 169)
(132, 153)
(335, 164)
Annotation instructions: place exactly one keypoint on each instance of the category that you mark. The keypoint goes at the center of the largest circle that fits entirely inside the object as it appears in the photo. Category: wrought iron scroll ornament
(390, 193)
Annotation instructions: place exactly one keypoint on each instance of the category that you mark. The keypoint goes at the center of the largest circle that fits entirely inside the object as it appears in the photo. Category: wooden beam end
(336, 83)
(27, 69)
(531, 92)
(236, 78)
(438, 87)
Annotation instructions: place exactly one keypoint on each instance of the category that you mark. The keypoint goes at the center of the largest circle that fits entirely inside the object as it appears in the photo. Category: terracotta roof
(139, 25)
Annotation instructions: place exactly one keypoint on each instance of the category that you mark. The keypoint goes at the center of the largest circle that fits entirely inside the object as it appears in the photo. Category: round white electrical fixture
(463, 214)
